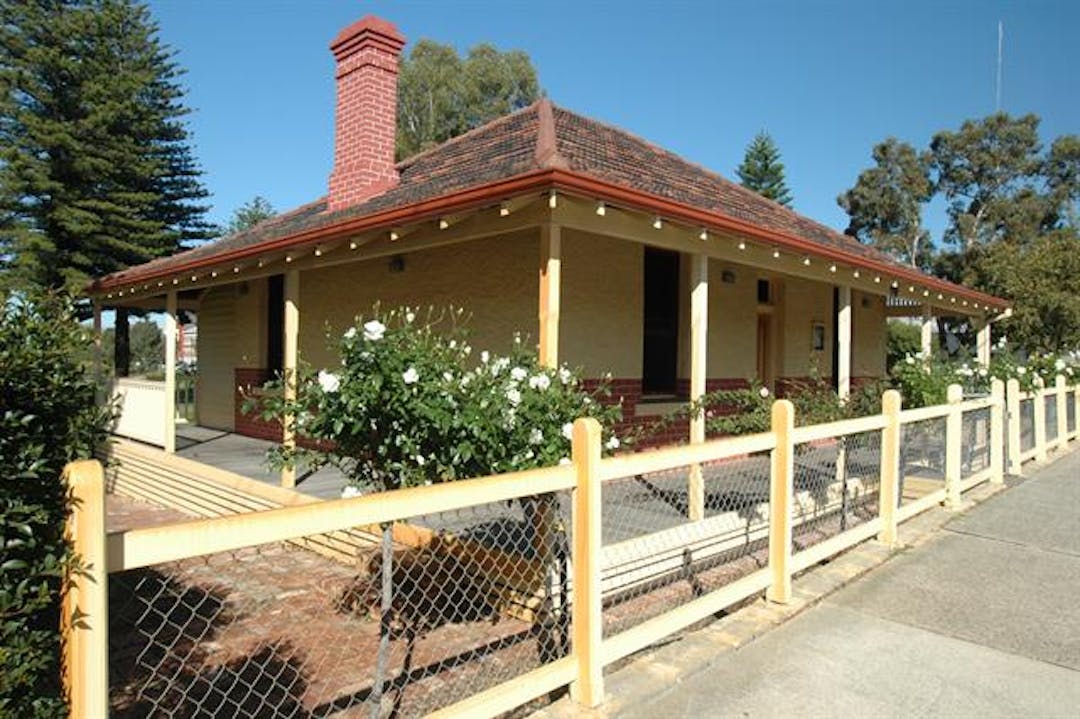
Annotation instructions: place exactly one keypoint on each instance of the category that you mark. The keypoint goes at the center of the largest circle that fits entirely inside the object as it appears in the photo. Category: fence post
(997, 431)
(1040, 420)
(781, 489)
(1062, 413)
(588, 688)
(84, 620)
(1012, 403)
(889, 492)
(954, 425)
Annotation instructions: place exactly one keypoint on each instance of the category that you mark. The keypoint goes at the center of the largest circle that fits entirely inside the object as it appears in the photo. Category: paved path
(983, 619)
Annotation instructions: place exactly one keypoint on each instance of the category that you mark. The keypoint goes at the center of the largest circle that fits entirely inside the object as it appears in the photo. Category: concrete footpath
(980, 616)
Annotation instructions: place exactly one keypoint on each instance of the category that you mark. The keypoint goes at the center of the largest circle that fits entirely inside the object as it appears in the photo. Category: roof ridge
(404, 164)
(547, 146)
(745, 191)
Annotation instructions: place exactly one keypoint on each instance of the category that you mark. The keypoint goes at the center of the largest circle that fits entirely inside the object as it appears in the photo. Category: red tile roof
(536, 138)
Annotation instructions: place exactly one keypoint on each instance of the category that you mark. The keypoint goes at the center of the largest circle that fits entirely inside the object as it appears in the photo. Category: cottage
(611, 253)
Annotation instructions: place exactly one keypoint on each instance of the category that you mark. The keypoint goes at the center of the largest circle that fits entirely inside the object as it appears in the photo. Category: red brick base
(248, 381)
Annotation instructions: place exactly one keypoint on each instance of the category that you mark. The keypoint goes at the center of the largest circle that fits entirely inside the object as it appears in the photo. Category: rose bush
(412, 404)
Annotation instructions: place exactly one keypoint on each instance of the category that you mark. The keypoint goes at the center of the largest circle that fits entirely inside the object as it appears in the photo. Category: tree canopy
(96, 171)
(762, 171)
(886, 203)
(441, 94)
(248, 215)
(1011, 222)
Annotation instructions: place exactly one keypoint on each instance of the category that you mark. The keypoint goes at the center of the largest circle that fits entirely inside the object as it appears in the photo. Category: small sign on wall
(817, 336)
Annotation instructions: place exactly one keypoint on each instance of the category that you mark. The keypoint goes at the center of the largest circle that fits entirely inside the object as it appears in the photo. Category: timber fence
(479, 597)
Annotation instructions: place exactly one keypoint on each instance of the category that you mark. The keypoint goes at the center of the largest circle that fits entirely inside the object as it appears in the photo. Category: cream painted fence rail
(502, 589)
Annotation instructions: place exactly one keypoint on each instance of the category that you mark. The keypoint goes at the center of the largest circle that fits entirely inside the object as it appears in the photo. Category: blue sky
(827, 79)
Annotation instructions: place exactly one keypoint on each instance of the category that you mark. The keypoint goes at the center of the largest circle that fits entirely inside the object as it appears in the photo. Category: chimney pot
(365, 119)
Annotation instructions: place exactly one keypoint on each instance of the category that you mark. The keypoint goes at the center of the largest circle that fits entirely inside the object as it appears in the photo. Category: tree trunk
(122, 343)
(384, 620)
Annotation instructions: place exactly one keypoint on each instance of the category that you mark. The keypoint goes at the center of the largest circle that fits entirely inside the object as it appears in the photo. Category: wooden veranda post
(699, 338)
(982, 343)
(1012, 405)
(843, 342)
(926, 345)
(1040, 420)
(1062, 413)
(550, 292)
(170, 371)
(889, 495)
(997, 431)
(291, 342)
(954, 426)
(86, 595)
(780, 502)
(99, 359)
(588, 688)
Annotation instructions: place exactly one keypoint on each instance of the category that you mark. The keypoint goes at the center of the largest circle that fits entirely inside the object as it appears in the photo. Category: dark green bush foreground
(47, 418)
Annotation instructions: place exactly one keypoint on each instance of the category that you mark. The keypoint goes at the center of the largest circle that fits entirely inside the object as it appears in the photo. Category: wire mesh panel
(655, 559)
(1070, 411)
(1027, 425)
(974, 442)
(1050, 402)
(836, 486)
(922, 458)
(451, 605)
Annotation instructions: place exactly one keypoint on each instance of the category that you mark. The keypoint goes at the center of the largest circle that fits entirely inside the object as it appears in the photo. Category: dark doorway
(661, 325)
(275, 323)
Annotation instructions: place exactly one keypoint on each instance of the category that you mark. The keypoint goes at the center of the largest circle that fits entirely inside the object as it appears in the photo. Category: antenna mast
(1001, 39)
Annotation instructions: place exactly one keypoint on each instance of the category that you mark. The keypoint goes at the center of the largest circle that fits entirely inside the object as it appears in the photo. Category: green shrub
(412, 404)
(48, 417)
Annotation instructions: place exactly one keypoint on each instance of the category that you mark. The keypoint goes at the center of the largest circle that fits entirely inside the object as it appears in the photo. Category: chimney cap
(369, 30)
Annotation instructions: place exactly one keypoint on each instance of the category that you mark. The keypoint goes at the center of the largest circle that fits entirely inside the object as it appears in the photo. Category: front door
(661, 322)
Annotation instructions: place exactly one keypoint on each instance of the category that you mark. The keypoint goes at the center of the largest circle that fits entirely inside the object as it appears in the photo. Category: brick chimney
(366, 117)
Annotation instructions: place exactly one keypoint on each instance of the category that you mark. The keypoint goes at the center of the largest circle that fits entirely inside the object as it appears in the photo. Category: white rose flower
(909, 359)
(328, 381)
(484, 356)
(764, 392)
(448, 376)
(410, 316)
(411, 376)
(983, 372)
(518, 374)
(350, 333)
(1021, 371)
(565, 375)
(613, 443)
(564, 461)
(513, 396)
(536, 436)
(540, 382)
(374, 330)
(350, 491)
(1059, 365)
(420, 460)
(453, 344)
(568, 430)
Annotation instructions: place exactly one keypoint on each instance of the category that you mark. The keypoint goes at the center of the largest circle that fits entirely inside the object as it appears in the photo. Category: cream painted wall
(602, 304)
(868, 335)
(806, 302)
(217, 357)
(494, 279)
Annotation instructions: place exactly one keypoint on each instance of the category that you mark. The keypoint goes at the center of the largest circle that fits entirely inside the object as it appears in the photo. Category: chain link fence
(836, 486)
(1027, 425)
(974, 442)
(922, 458)
(656, 559)
(429, 611)
(1051, 404)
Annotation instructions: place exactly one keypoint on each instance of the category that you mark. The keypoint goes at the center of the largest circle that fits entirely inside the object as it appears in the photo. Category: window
(764, 292)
